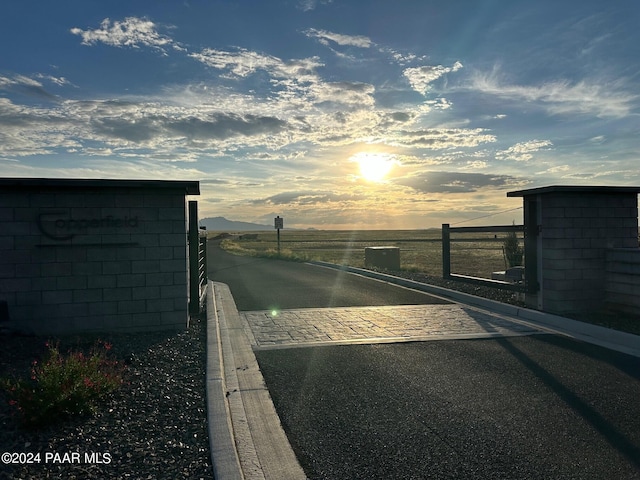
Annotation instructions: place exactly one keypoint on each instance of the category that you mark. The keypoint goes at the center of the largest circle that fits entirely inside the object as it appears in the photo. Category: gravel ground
(496, 294)
(154, 427)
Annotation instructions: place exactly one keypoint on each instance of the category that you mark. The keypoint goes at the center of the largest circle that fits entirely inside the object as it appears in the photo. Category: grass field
(420, 250)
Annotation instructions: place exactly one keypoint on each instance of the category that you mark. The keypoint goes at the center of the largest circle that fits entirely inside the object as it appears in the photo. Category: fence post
(194, 270)
(446, 251)
(531, 246)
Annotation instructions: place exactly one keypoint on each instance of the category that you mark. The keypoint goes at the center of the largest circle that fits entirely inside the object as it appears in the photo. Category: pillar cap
(579, 189)
(189, 187)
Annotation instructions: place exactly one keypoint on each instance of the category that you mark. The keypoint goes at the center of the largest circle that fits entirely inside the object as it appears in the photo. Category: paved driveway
(397, 323)
(527, 407)
(363, 394)
(266, 284)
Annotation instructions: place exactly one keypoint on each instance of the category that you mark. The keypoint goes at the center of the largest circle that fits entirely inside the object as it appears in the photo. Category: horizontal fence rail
(446, 256)
(202, 268)
(197, 273)
(197, 262)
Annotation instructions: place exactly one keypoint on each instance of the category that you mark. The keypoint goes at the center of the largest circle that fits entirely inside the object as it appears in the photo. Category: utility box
(382, 257)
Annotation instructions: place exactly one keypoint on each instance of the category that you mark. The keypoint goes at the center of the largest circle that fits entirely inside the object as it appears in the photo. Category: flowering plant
(64, 385)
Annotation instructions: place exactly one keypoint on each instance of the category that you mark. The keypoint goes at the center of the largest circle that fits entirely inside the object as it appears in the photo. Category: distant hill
(221, 224)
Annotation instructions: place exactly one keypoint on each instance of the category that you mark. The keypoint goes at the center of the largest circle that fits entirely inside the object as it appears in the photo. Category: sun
(374, 167)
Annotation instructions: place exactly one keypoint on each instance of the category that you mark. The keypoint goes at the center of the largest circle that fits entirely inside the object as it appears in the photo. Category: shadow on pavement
(520, 407)
(607, 430)
(627, 364)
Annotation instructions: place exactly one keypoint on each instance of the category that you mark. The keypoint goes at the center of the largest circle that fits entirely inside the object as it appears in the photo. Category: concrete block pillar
(574, 227)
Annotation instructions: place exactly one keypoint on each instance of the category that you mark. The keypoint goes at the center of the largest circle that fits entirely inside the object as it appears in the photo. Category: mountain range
(224, 225)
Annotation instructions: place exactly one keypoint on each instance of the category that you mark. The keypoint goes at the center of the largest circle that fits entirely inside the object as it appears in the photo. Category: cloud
(27, 130)
(420, 78)
(522, 152)
(455, 182)
(308, 198)
(59, 81)
(325, 37)
(342, 95)
(131, 32)
(144, 127)
(243, 62)
(26, 86)
(104, 168)
(298, 106)
(476, 164)
(150, 126)
(558, 169)
(307, 5)
(606, 98)
(223, 126)
(628, 175)
(395, 119)
(439, 138)
(402, 58)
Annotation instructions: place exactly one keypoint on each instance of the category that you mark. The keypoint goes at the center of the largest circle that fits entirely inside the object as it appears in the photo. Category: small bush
(64, 385)
(513, 252)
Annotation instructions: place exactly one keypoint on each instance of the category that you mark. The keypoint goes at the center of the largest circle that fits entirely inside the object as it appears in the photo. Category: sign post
(278, 224)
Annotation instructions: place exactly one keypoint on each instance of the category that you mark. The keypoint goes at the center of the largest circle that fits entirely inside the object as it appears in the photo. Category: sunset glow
(374, 167)
(339, 115)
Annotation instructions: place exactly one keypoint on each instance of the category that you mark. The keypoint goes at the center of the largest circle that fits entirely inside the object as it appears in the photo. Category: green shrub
(64, 385)
(513, 252)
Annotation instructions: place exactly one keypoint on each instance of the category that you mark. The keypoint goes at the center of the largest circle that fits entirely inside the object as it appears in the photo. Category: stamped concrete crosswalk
(330, 326)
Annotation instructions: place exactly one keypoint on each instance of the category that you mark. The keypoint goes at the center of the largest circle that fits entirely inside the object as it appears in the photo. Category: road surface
(267, 284)
(532, 407)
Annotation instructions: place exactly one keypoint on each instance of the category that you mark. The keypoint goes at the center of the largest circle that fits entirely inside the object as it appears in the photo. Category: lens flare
(374, 167)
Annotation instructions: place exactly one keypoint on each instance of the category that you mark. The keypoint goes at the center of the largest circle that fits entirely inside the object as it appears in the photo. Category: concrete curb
(224, 457)
(253, 444)
(586, 332)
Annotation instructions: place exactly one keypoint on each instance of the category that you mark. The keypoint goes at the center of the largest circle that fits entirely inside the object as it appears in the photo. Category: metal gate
(197, 263)
(529, 285)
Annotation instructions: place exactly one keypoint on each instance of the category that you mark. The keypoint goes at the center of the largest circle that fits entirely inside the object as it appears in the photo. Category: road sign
(278, 223)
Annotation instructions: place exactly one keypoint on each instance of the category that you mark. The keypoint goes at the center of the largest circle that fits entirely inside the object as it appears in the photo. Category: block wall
(104, 260)
(577, 231)
(622, 286)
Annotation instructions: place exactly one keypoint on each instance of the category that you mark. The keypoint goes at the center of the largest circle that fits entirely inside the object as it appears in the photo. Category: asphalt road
(267, 284)
(539, 407)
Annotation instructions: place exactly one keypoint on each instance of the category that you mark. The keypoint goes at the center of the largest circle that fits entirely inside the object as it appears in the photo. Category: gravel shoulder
(153, 427)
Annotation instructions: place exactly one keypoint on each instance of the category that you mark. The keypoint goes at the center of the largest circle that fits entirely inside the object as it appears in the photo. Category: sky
(332, 114)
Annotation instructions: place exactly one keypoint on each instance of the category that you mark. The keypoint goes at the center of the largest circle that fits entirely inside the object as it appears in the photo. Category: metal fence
(523, 286)
(197, 263)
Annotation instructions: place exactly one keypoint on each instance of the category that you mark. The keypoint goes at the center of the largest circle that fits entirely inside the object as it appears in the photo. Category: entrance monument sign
(94, 255)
